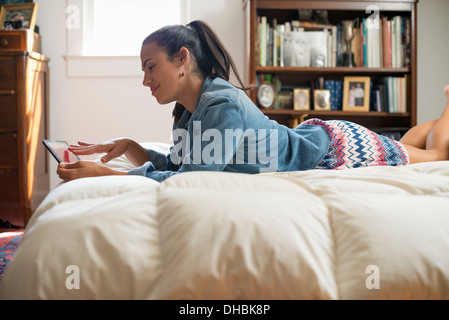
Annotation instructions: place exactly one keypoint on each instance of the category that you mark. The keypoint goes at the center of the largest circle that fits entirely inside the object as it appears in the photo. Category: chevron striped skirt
(354, 146)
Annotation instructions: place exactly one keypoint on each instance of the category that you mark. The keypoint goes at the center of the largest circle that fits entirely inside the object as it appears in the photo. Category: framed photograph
(356, 94)
(286, 99)
(265, 95)
(301, 100)
(322, 99)
(25, 12)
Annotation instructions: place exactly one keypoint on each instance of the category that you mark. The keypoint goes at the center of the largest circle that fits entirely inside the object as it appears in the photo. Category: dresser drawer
(8, 111)
(25, 40)
(9, 190)
(8, 145)
(7, 74)
(10, 41)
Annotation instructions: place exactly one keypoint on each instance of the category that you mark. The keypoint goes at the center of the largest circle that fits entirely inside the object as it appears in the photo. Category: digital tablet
(58, 149)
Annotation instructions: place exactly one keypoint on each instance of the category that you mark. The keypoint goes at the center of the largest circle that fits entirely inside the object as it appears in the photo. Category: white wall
(226, 17)
(98, 109)
(433, 58)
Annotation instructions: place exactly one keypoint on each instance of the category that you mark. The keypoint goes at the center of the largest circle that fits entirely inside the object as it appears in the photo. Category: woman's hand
(113, 148)
(84, 169)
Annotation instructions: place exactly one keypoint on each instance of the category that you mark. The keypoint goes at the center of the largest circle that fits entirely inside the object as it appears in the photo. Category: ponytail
(211, 57)
(219, 58)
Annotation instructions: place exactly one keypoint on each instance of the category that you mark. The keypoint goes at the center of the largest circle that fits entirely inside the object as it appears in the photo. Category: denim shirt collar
(183, 122)
(207, 82)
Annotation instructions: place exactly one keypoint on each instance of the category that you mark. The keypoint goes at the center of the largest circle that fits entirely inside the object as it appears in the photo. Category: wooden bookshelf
(338, 10)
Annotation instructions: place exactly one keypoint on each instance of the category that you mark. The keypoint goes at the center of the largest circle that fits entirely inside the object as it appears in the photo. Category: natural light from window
(118, 27)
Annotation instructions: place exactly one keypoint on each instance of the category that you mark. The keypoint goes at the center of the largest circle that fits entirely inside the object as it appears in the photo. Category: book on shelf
(407, 42)
(375, 45)
(386, 45)
(263, 41)
(339, 44)
(364, 43)
(394, 92)
(336, 89)
(394, 44)
(334, 46)
(376, 100)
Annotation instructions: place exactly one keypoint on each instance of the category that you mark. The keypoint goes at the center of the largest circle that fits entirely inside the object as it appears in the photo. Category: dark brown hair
(209, 54)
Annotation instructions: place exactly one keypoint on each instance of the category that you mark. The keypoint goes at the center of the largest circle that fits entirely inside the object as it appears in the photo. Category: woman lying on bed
(218, 128)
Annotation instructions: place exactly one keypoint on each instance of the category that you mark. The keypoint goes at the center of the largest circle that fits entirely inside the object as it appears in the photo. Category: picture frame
(266, 95)
(356, 94)
(322, 100)
(301, 99)
(285, 99)
(25, 12)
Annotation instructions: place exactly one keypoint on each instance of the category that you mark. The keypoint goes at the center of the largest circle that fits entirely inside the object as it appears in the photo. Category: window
(104, 36)
(118, 27)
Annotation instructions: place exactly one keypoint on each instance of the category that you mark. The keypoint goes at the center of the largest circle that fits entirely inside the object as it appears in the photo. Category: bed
(366, 233)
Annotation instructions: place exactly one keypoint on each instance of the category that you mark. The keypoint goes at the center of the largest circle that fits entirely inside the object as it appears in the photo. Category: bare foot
(446, 91)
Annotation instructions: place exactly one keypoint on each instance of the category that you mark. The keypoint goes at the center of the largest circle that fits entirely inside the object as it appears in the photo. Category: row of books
(290, 45)
(383, 42)
(388, 94)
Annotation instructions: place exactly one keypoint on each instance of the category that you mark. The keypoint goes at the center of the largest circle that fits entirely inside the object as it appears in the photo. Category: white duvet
(367, 233)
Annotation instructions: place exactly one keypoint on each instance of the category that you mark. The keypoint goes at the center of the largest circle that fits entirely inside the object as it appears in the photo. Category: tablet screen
(58, 149)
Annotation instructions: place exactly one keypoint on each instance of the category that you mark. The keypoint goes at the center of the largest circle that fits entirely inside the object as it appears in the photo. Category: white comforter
(368, 233)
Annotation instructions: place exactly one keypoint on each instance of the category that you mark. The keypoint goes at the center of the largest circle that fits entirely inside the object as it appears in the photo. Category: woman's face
(161, 74)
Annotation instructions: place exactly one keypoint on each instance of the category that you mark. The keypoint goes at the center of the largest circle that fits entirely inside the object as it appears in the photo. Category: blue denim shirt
(227, 132)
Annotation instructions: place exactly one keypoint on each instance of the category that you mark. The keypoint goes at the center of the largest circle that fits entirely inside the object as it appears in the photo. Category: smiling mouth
(154, 89)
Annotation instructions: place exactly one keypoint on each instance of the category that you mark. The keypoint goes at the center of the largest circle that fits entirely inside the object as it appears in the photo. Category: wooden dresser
(24, 177)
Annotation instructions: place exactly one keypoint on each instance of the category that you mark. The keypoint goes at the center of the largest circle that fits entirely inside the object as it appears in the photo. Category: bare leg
(417, 155)
(417, 136)
(438, 137)
(429, 141)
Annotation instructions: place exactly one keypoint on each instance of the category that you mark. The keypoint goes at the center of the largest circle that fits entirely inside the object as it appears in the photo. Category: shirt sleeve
(210, 146)
(158, 159)
(161, 161)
